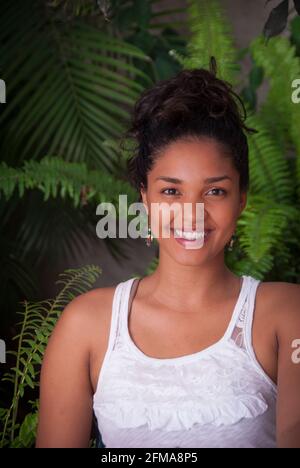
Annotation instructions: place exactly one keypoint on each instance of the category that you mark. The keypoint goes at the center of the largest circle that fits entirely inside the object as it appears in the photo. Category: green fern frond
(262, 226)
(38, 321)
(246, 266)
(152, 267)
(211, 36)
(57, 178)
(281, 66)
(270, 174)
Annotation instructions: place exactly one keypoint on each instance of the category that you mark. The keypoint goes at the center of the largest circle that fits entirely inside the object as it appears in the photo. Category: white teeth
(189, 235)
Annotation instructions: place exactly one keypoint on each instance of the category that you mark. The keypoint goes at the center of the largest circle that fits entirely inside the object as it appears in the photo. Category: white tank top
(217, 397)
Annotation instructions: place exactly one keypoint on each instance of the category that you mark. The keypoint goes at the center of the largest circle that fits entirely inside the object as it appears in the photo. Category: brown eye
(164, 191)
(218, 189)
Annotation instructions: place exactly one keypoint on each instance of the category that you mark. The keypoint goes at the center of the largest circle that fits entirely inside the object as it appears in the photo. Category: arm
(288, 334)
(65, 414)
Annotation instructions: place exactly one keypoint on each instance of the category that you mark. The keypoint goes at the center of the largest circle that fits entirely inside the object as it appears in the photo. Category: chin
(183, 256)
(185, 260)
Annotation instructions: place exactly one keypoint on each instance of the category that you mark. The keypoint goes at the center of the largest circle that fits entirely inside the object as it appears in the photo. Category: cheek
(162, 217)
(224, 210)
(176, 215)
(223, 216)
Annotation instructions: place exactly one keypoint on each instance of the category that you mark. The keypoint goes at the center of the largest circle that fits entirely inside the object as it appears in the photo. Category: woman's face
(191, 162)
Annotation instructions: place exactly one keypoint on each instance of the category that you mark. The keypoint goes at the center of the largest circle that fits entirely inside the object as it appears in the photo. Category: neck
(189, 287)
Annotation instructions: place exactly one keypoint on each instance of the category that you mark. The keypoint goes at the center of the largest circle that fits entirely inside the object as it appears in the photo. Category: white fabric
(217, 397)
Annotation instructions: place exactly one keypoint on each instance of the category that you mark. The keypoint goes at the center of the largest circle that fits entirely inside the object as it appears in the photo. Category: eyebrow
(209, 180)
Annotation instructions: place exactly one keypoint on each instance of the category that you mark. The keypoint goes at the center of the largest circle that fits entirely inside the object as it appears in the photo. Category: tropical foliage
(268, 230)
(85, 77)
(73, 70)
(278, 18)
(36, 325)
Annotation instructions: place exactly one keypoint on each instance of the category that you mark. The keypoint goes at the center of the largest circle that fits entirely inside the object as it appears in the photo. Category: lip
(183, 241)
(208, 230)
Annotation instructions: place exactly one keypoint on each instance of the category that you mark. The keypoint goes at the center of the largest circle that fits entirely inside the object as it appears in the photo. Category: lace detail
(238, 334)
(176, 398)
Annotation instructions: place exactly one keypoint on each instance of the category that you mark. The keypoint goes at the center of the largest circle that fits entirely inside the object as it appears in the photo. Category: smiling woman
(190, 355)
(196, 122)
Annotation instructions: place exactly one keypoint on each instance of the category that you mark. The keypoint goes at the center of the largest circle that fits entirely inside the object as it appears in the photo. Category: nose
(195, 215)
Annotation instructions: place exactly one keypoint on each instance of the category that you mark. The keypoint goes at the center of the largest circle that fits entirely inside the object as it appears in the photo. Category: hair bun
(193, 102)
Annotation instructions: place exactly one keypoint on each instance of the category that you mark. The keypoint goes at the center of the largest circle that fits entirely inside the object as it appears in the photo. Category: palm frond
(68, 87)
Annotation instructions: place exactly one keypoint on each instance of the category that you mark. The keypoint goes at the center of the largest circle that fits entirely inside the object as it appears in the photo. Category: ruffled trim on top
(173, 418)
(175, 398)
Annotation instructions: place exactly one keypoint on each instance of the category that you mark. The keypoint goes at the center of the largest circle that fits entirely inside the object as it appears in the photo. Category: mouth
(190, 236)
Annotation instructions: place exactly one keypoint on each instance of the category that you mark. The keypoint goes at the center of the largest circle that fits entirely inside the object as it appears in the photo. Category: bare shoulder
(281, 303)
(83, 324)
(280, 290)
(90, 303)
(88, 313)
(65, 374)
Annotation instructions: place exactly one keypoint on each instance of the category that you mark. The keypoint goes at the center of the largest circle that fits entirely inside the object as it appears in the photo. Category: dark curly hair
(194, 103)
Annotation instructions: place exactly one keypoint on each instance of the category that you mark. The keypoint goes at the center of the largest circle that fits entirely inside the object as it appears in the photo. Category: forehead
(188, 158)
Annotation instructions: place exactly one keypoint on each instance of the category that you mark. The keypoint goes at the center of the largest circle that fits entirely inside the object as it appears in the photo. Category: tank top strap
(119, 309)
(248, 325)
(126, 293)
(115, 317)
(245, 315)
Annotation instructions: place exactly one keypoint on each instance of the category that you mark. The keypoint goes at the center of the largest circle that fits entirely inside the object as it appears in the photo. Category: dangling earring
(149, 236)
(232, 240)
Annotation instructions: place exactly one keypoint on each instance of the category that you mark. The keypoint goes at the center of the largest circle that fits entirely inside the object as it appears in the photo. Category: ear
(243, 201)
(144, 197)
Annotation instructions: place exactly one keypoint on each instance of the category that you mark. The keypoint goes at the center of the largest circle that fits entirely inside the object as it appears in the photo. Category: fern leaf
(269, 171)
(282, 67)
(30, 352)
(210, 36)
